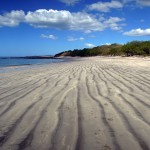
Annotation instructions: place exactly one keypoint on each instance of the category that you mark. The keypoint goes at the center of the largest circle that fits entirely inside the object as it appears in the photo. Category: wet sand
(97, 103)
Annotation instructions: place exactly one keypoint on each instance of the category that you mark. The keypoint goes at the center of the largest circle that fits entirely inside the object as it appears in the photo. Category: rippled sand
(97, 103)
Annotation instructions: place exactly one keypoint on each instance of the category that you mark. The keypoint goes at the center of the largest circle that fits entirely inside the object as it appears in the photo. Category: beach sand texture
(97, 103)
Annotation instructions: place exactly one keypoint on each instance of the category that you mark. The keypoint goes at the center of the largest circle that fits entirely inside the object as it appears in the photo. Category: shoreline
(30, 63)
(11, 68)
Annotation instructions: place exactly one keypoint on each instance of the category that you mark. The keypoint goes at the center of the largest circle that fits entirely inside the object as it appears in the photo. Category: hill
(129, 49)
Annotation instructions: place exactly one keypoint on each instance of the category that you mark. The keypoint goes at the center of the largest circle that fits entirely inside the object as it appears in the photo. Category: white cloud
(48, 18)
(72, 39)
(112, 23)
(49, 36)
(81, 38)
(70, 2)
(105, 6)
(138, 32)
(89, 45)
(63, 19)
(66, 20)
(12, 19)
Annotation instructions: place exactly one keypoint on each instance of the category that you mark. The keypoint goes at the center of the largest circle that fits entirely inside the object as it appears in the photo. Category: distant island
(128, 49)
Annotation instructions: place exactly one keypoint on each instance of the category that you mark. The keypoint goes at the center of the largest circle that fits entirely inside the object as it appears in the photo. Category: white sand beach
(97, 103)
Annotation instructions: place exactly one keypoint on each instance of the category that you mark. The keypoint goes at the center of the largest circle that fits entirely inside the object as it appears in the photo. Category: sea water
(7, 62)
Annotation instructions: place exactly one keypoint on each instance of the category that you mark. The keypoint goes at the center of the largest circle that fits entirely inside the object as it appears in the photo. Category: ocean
(8, 62)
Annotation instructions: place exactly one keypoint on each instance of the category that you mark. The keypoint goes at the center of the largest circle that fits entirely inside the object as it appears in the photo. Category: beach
(93, 103)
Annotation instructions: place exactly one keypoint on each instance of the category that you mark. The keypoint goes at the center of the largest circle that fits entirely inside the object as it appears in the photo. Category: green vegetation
(129, 49)
(137, 48)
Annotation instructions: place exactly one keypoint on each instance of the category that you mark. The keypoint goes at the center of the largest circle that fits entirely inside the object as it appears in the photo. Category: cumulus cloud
(49, 36)
(138, 32)
(89, 45)
(12, 18)
(69, 2)
(66, 20)
(63, 19)
(72, 39)
(48, 18)
(105, 6)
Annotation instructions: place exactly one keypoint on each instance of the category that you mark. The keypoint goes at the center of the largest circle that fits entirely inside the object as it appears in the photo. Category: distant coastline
(29, 57)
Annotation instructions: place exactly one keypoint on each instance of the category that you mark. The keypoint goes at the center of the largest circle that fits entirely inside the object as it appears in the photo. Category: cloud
(105, 6)
(89, 45)
(72, 39)
(81, 38)
(107, 43)
(43, 18)
(69, 2)
(138, 32)
(49, 36)
(112, 23)
(12, 19)
(62, 20)
(65, 20)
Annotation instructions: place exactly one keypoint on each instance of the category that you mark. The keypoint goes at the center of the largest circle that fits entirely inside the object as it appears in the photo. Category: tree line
(128, 49)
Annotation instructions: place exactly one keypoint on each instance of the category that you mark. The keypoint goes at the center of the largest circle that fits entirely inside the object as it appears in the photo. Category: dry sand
(97, 103)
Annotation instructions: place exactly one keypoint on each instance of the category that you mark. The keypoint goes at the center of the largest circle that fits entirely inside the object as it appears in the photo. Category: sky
(47, 27)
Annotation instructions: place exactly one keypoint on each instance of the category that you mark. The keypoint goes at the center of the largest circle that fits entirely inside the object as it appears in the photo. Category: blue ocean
(7, 62)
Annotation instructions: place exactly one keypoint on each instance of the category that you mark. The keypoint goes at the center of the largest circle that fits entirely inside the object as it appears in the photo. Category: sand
(97, 103)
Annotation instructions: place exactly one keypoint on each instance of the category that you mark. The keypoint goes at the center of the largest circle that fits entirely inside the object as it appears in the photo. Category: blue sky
(44, 27)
